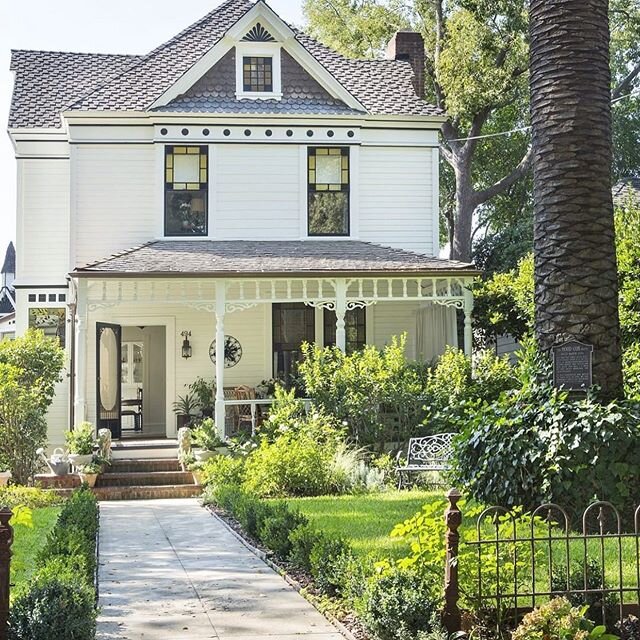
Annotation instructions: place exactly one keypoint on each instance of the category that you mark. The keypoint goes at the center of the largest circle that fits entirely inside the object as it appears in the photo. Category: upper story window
(186, 181)
(328, 191)
(257, 74)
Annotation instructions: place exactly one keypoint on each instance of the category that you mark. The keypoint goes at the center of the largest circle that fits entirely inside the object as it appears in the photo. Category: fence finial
(451, 616)
(6, 538)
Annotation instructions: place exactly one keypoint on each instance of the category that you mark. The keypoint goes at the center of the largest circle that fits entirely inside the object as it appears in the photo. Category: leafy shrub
(328, 559)
(398, 606)
(223, 470)
(30, 366)
(53, 607)
(302, 540)
(558, 620)
(205, 436)
(82, 439)
(31, 497)
(277, 524)
(285, 414)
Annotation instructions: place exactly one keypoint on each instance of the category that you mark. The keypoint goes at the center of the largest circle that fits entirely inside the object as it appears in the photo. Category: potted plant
(197, 472)
(89, 472)
(81, 442)
(203, 390)
(207, 442)
(185, 408)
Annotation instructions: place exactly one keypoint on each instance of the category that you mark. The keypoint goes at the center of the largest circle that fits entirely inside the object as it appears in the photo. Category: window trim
(167, 187)
(259, 50)
(345, 151)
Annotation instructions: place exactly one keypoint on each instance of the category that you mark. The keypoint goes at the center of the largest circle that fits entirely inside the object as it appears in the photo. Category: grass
(366, 520)
(28, 541)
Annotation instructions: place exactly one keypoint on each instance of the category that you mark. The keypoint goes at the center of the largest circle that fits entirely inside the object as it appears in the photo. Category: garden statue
(104, 444)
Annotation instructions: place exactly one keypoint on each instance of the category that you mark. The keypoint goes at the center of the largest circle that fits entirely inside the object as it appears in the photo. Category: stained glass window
(328, 200)
(186, 178)
(257, 74)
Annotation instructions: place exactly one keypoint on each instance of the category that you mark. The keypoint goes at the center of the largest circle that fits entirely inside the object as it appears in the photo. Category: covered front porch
(179, 319)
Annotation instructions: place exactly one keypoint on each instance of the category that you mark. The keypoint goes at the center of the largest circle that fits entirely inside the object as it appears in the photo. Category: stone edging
(290, 581)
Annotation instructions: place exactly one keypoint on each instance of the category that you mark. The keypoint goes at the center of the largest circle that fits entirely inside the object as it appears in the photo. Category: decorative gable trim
(285, 37)
(258, 34)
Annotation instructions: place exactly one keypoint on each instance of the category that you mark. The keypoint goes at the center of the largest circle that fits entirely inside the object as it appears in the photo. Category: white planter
(78, 460)
(5, 476)
(222, 451)
(202, 455)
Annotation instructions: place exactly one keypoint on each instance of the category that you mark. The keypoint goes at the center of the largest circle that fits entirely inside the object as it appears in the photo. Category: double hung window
(328, 191)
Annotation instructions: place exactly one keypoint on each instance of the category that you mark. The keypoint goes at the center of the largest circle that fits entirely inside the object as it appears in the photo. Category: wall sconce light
(186, 345)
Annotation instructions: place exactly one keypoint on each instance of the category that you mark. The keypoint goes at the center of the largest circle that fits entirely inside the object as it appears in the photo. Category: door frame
(169, 324)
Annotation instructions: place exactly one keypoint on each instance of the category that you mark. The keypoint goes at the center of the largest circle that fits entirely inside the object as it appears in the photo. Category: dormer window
(258, 66)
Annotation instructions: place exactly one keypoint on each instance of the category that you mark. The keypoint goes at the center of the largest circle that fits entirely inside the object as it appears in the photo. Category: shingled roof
(626, 190)
(243, 257)
(48, 82)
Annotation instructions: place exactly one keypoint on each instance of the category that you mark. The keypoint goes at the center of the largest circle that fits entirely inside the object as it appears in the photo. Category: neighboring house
(240, 184)
(626, 190)
(7, 295)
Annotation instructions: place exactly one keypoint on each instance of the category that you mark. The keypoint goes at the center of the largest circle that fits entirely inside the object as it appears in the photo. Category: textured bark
(576, 292)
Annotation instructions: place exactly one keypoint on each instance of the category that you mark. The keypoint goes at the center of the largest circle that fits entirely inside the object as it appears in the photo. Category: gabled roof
(132, 83)
(286, 257)
(627, 189)
(9, 265)
(47, 81)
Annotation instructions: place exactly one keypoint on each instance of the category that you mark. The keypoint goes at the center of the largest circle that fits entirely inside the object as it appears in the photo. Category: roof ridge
(79, 53)
(119, 254)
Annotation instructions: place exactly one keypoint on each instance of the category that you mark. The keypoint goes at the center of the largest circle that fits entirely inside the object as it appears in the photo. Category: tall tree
(476, 71)
(576, 289)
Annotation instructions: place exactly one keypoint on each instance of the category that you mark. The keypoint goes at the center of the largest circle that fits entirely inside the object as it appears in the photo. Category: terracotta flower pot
(89, 478)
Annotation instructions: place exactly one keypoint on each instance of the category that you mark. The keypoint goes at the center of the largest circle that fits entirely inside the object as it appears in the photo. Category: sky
(112, 26)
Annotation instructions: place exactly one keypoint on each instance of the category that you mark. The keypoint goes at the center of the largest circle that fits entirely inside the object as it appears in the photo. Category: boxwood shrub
(60, 602)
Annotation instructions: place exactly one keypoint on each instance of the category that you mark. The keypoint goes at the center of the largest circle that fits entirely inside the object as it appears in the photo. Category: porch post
(220, 310)
(468, 329)
(341, 310)
(80, 381)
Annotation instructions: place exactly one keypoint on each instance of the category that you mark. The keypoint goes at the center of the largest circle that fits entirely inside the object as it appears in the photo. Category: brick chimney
(409, 45)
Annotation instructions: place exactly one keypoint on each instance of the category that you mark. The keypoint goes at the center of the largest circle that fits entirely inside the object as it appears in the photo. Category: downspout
(72, 350)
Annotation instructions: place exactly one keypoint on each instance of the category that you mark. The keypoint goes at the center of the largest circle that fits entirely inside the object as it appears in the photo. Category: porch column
(468, 329)
(80, 368)
(220, 310)
(341, 310)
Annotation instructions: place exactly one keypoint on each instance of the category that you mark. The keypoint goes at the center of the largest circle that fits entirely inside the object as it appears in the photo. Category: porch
(261, 317)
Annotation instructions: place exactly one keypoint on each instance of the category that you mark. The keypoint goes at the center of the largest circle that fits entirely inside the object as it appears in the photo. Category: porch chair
(133, 407)
(243, 392)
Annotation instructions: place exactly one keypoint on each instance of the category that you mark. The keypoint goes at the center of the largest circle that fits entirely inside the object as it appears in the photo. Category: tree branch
(479, 197)
(625, 84)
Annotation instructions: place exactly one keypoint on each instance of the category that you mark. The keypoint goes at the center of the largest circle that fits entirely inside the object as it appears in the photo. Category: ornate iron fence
(511, 562)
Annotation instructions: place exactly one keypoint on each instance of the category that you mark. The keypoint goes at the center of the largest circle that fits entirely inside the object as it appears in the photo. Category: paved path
(171, 571)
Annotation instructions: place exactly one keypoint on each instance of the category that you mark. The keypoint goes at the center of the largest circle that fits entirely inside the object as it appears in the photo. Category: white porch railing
(253, 404)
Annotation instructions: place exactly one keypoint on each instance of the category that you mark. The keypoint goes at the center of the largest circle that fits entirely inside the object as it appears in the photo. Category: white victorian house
(239, 184)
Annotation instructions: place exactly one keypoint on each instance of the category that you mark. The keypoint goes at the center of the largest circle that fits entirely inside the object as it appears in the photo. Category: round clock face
(232, 351)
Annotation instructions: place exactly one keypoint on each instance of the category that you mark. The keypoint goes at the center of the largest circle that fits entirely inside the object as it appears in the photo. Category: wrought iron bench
(431, 453)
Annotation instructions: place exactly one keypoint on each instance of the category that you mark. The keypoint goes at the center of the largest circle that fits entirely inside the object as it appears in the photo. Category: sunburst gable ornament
(258, 34)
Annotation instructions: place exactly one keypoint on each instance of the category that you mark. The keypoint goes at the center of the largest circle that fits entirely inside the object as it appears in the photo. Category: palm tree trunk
(576, 292)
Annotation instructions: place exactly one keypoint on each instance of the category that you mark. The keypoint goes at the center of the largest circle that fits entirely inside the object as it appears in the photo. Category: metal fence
(508, 562)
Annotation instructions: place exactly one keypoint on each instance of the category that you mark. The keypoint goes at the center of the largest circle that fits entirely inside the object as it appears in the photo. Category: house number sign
(572, 365)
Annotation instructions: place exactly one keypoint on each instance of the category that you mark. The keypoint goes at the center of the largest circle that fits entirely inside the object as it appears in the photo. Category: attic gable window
(257, 74)
(186, 184)
(258, 68)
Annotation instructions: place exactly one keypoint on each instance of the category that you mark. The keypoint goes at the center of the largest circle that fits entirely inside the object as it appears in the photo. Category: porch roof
(234, 258)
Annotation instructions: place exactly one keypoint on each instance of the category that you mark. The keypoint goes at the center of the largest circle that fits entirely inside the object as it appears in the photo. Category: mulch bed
(346, 621)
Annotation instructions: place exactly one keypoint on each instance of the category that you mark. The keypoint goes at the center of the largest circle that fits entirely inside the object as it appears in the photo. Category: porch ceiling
(241, 258)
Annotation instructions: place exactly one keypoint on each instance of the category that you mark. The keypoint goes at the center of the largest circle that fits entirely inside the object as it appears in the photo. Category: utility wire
(521, 129)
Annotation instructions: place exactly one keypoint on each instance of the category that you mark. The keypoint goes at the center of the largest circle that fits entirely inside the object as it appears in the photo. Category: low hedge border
(60, 602)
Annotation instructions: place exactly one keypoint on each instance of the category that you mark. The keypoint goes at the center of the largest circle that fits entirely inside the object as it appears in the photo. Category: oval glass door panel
(109, 380)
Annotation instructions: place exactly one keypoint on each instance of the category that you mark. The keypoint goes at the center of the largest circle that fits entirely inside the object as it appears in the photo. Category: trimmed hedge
(60, 602)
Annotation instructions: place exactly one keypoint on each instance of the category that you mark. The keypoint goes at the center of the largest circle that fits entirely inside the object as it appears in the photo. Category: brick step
(148, 492)
(144, 478)
(142, 465)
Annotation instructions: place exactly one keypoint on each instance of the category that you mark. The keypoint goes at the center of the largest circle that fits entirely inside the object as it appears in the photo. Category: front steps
(144, 479)
(144, 449)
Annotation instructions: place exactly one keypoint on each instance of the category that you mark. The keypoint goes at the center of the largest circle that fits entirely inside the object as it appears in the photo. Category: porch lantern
(186, 345)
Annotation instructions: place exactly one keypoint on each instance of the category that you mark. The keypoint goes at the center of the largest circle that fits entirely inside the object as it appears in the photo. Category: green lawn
(28, 541)
(366, 520)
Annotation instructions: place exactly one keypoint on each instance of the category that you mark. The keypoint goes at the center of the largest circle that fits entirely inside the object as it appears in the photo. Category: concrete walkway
(171, 571)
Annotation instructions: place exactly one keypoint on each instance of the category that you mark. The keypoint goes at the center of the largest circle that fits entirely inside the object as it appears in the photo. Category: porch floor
(168, 569)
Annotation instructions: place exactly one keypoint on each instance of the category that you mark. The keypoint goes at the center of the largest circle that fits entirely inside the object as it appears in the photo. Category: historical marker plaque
(572, 365)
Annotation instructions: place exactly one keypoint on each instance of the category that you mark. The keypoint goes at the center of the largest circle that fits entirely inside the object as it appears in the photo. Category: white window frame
(263, 50)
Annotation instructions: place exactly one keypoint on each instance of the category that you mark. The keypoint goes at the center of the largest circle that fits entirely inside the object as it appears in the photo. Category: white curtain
(436, 328)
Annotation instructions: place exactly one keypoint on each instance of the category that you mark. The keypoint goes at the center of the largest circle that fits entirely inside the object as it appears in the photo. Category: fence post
(451, 617)
(6, 538)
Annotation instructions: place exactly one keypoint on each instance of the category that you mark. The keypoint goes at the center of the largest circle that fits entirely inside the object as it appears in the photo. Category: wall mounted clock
(232, 352)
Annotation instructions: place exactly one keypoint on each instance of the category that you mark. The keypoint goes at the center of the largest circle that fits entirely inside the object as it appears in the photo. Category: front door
(293, 324)
(108, 375)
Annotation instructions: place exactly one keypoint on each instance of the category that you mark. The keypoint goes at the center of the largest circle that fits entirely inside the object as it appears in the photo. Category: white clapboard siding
(396, 197)
(43, 220)
(256, 192)
(114, 201)
(393, 319)
(58, 414)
